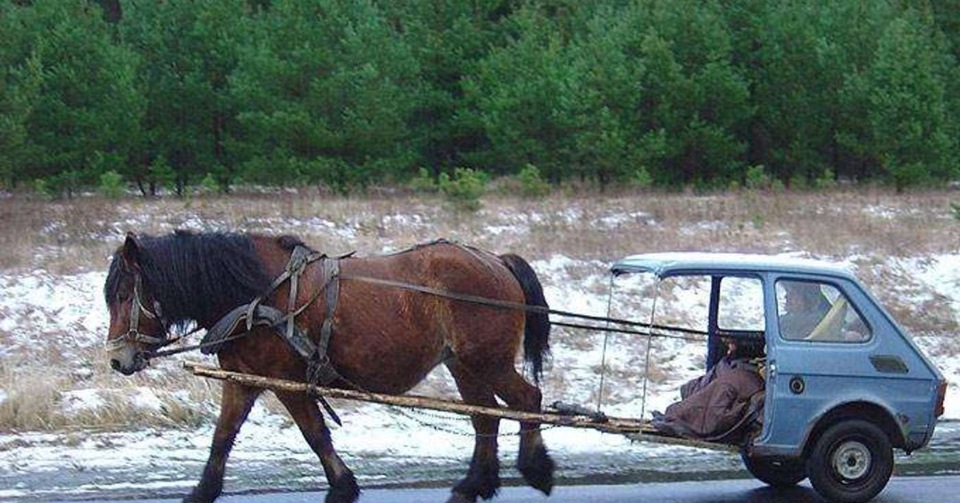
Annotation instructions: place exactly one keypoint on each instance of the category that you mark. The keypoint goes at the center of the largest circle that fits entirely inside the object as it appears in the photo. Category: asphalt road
(899, 490)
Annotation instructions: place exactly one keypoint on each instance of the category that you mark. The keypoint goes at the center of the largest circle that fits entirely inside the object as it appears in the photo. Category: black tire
(779, 473)
(851, 462)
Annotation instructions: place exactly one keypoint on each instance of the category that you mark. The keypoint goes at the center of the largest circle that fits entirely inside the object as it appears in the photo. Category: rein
(505, 304)
(134, 335)
(201, 345)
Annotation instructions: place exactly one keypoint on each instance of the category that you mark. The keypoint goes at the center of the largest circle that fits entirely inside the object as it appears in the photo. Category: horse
(382, 338)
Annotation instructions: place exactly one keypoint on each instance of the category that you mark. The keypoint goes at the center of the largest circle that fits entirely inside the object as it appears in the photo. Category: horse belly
(392, 357)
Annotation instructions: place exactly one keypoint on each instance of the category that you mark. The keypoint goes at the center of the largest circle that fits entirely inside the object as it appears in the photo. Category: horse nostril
(115, 364)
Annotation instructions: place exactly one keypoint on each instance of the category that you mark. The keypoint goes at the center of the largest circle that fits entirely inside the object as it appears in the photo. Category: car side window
(741, 305)
(814, 311)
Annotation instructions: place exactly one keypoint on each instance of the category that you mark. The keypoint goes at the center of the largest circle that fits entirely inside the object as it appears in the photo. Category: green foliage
(190, 51)
(330, 87)
(43, 187)
(531, 183)
(798, 182)
(161, 174)
(907, 131)
(209, 184)
(111, 184)
(68, 92)
(347, 94)
(464, 189)
(826, 180)
(521, 95)
(423, 182)
(641, 178)
(757, 178)
(955, 210)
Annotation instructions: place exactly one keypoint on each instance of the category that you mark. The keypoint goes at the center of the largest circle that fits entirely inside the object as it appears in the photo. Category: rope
(505, 304)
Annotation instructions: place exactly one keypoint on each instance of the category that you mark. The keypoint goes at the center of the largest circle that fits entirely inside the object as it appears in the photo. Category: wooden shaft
(611, 425)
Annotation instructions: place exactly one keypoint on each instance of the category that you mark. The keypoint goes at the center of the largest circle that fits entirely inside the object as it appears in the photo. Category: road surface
(899, 490)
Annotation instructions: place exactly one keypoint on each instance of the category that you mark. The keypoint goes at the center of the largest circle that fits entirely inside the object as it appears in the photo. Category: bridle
(133, 334)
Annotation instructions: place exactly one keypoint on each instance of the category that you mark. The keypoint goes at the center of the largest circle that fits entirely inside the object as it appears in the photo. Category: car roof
(689, 263)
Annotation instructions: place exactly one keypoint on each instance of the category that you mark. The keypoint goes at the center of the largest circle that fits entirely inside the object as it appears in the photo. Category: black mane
(195, 276)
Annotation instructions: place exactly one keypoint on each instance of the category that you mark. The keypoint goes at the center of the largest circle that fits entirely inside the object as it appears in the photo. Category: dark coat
(714, 404)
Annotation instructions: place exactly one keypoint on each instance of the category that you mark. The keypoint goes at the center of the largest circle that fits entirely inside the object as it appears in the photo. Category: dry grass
(75, 236)
(78, 235)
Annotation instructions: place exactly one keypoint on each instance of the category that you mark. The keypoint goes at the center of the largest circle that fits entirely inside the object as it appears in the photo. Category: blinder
(133, 334)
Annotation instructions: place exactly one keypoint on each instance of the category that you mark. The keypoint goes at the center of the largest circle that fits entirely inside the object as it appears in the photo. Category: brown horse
(384, 338)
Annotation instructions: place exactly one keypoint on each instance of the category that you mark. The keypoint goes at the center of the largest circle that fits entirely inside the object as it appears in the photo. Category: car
(844, 387)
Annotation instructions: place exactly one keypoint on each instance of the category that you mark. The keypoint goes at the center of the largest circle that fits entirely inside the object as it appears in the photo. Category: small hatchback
(844, 384)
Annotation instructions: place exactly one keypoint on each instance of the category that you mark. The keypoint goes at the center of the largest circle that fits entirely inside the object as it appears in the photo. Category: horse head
(136, 323)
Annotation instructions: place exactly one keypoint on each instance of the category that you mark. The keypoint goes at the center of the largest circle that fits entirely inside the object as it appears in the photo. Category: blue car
(844, 384)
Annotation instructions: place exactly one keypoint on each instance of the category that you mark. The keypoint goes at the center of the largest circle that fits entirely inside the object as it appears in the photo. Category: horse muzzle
(128, 361)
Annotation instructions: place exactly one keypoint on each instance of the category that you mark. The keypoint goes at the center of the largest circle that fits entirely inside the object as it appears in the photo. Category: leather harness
(320, 370)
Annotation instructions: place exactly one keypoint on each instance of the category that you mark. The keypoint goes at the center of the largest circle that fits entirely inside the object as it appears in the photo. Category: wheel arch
(866, 411)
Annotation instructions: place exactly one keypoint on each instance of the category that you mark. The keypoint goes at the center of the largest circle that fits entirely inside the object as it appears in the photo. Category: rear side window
(741, 305)
(813, 311)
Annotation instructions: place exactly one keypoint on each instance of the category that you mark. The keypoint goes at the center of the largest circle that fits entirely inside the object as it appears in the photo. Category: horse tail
(536, 337)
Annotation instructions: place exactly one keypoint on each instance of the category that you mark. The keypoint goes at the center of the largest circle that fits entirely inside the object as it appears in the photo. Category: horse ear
(130, 252)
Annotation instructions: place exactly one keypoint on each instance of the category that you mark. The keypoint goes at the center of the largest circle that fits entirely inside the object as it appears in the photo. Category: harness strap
(321, 369)
(299, 259)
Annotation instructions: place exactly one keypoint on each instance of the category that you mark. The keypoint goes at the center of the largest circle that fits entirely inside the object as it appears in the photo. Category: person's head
(743, 348)
(730, 344)
(801, 295)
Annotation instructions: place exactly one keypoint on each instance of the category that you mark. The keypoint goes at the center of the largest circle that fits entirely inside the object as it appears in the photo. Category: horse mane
(195, 276)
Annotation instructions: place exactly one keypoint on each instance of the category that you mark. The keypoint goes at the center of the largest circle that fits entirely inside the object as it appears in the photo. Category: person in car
(805, 306)
(717, 404)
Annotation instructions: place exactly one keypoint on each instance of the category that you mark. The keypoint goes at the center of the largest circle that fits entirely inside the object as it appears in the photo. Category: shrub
(209, 184)
(423, 182)
(43, 187)
(798, 182)
(464, 188)
(531, 183)
(757, 178)
(826, 180)
(641, 178)
(111, 184)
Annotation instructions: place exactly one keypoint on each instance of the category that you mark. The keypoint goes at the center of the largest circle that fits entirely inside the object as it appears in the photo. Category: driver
(805, 306)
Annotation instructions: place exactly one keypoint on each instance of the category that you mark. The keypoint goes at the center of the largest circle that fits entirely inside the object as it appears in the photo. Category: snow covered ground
(41, 311)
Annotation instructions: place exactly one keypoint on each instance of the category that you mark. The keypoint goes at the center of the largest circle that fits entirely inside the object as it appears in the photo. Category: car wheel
(775, 472)
(851, 462)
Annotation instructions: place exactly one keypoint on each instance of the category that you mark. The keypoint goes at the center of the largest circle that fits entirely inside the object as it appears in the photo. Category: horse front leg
(483, 477)
(307, 415)
(235, 403)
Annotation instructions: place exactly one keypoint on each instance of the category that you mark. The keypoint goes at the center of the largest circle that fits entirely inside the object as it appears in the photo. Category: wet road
(899, 490)
(638, 472)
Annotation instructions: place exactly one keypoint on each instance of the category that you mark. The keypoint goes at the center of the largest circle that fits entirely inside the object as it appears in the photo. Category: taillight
(941, 395)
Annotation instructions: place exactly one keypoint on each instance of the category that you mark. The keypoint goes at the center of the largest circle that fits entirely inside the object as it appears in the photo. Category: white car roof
(677, 263)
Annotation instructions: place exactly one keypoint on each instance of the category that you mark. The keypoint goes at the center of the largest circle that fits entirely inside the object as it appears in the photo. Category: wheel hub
(852, 460)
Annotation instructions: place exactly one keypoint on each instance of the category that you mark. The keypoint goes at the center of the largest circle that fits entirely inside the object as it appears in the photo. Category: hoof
(537, 470)
(202, 495)
(456, 497)
(344, 490)
(483, 480)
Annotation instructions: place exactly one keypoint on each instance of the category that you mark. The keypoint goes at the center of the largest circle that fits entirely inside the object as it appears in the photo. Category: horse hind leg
(533, 462)
(483, 477)
(304, 411)
(235, 404)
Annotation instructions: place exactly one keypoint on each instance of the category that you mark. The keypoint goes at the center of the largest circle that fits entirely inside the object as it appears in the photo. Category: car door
(820, 346)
